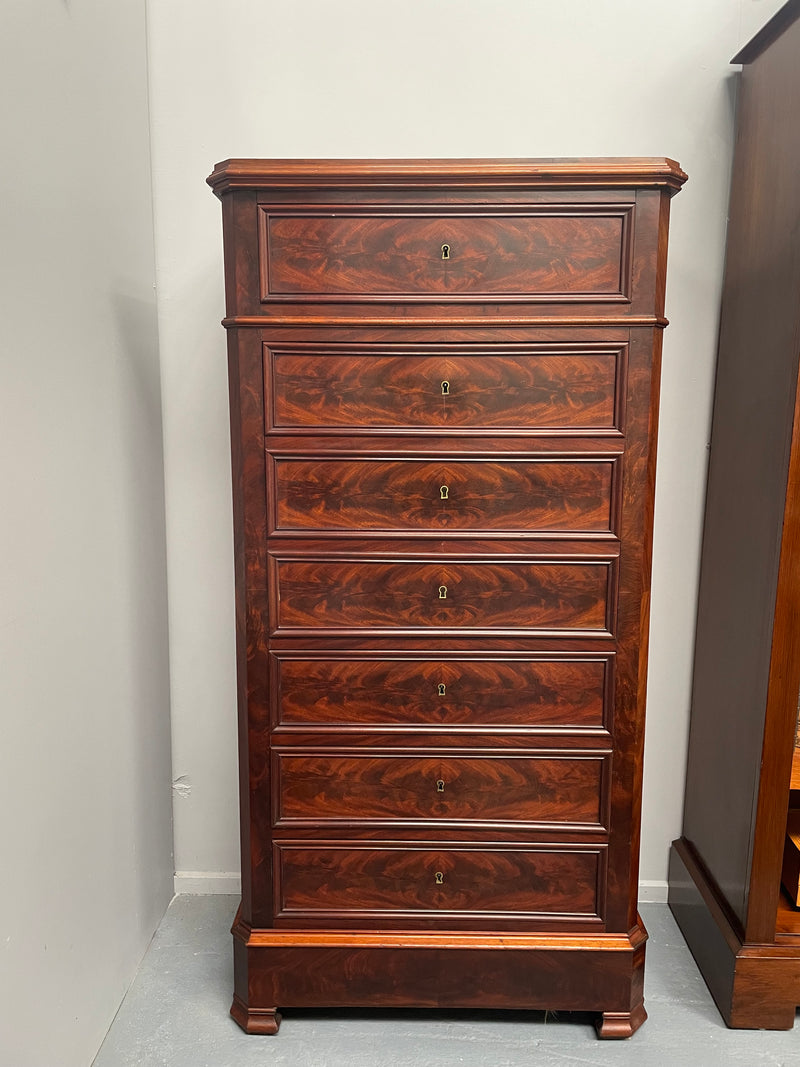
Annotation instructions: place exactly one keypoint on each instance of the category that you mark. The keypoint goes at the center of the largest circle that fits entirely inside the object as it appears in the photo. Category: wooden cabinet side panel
(241, 250)
(633, 618)
(754, 400)
(780, 718)
(252, 658)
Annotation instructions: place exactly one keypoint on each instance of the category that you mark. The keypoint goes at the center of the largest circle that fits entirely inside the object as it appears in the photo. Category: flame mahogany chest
(444, 391)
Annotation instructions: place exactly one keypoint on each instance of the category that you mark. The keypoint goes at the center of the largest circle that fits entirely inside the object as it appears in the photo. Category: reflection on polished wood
(444, 400)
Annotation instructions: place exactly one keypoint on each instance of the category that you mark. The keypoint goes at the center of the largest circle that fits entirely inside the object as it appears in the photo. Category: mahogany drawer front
(538, 388)
(337, 594)
(559, 252)
(319, 880)
(321, 494)
(542, 791)
(448, 692)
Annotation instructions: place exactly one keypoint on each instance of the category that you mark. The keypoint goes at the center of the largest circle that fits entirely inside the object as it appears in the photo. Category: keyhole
(443, 592)
(445, 388)
(440, 785)
(442, 689)
(438, 878)
(445, 251)
(444, 492)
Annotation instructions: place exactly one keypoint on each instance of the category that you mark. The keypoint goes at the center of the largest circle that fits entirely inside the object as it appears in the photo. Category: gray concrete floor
(176, 1015)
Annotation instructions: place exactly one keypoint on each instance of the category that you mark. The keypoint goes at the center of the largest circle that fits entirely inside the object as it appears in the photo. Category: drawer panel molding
(367, 388)
(523, 253)
(405, 881)
(564, 693)
(544, 791)
(563, 496)
(364, 595)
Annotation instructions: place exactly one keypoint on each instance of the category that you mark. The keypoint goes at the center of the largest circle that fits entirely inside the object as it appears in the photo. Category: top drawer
(573, 253)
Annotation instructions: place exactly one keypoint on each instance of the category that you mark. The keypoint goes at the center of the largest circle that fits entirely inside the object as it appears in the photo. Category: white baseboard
(200, 883)
(653, 892)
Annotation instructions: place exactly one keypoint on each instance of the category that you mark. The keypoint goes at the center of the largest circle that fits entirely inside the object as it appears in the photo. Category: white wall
(424, 78)
(85, 814)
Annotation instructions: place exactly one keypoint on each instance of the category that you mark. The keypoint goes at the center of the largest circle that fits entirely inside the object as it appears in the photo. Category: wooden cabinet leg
(255, 1020)
(617, 1024)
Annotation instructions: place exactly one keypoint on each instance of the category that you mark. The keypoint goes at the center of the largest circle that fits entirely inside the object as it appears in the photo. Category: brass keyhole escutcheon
(445, 251)
(438, 878)
(442, 689)
(445, 388)
(440, 785)
(444, 492)
(443, 592)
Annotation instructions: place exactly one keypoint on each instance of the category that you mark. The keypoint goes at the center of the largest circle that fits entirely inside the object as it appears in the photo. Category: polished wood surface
(755, 986)
(359, 595)
(379, 787)
(748, 467)
(794, 782)
(558, 173)
(747, 657)
(790, 869)
(574, 253)
(388, 494)
(445, 693)
(517, 971)
(391, 189)
(370, 880)
(787, 924)
(265, 1021)
(535, 387)
(444, 466)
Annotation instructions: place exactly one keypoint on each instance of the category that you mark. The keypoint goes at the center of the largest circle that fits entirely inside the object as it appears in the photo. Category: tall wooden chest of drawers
(443, 387)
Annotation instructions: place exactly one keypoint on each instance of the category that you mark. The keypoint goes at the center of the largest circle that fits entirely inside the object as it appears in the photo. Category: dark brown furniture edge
(769, 33)
(607, 171)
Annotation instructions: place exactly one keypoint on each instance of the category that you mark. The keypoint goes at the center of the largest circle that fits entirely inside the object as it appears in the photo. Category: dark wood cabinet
(444, 389)
(725, 870)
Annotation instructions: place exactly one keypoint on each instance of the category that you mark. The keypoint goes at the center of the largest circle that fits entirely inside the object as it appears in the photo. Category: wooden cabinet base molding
(444, 398)
(443, 970)
(756, 987)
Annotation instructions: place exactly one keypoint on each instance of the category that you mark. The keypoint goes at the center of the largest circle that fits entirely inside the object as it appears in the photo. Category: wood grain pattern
(786, 926)
(324, 787)
(319, 879)
(794, 781)
(614, 1025)
(370, 176)
(568, 496)
(357, 389)
(528, 972)
(464, 940)
(342, 594)
(632, 623)
(264, 1021)
(574, 252)
(329, 692)
(250, 550)
(344, 322)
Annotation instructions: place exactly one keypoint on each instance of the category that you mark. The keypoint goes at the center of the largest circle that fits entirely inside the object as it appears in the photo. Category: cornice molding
(408, 173)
